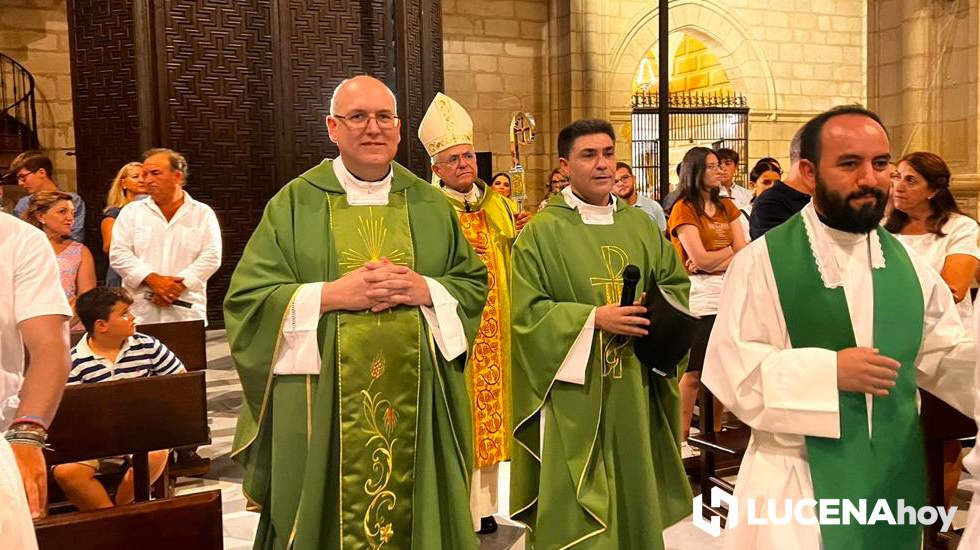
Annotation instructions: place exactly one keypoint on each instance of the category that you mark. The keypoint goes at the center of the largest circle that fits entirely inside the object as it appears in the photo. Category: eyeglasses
(23, 176)
(622, 179)
(710, 167)
(453, 161)
(559, 181)
(359, 121)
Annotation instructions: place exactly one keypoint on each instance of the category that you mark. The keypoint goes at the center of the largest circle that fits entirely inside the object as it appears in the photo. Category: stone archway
(719, 28)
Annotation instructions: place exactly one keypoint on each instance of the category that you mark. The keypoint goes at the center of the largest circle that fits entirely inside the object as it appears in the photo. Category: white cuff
(299, 351)
(572, 368)
(804, 381)
(443, 320)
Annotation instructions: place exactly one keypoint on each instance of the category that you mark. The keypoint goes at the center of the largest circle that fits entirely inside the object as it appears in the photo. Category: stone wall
(583, 56)
(494, 65)
(35, 33)
(923, 64)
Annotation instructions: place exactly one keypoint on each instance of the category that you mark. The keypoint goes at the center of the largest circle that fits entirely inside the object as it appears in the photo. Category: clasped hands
(377, 286)
(166, 289)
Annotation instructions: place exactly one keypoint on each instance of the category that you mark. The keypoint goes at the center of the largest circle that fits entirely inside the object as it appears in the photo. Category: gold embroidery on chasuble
(610, 283)
(378, 383)
(486, 377)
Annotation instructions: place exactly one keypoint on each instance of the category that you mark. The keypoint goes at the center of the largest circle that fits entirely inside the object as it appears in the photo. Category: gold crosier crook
(522, 132)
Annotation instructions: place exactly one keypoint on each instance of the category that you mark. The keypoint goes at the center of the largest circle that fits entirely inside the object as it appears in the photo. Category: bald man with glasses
(349, 318)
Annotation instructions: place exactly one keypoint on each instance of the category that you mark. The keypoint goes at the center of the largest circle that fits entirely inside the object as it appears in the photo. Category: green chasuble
(607, 472)
(374, 451)
(889, 463)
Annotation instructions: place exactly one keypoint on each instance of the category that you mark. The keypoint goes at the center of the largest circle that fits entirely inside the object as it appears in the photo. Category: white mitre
(445, 124)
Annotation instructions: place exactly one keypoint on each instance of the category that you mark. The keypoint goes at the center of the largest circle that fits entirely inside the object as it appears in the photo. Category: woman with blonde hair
(125, 188)
(54, 213)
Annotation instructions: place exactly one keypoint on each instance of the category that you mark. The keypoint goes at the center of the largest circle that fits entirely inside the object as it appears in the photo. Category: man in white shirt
(33, 315)
(348, 318)
(742, 197)
(826, 327)
(625, 188)
(167, 246)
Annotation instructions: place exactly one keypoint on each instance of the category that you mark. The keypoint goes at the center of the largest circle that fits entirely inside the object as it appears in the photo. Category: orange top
(715, 231)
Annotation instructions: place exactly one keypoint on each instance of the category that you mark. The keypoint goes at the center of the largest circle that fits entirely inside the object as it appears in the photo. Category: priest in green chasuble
(490, 225)
(826, 327)
(348, 318)
(596, 462)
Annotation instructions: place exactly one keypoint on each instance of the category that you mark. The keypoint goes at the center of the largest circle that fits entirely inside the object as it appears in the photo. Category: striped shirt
(142, 356)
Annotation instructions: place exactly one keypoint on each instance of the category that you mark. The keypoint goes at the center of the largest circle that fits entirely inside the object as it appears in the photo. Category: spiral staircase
(18, 118)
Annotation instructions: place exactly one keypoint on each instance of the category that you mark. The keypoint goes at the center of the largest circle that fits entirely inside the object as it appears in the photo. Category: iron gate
(709, 120)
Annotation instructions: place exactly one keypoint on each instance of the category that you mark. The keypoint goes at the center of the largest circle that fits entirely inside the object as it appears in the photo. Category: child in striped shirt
(111, 349)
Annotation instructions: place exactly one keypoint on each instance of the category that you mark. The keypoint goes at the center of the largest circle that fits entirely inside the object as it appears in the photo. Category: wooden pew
(721, 453)
(132, 416)
(940, 423)
(191, 522)
(184, 338)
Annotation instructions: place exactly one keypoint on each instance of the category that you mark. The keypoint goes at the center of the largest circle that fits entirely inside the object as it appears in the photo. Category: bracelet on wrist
(30, 419)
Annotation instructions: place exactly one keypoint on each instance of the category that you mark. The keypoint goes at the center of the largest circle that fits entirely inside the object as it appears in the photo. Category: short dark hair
(96, 304)
(624, 166)
(32, 161)
(724, 153)
(579, 128)
(810, 134)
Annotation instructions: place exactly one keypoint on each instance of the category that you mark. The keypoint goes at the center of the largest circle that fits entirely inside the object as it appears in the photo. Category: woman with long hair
(125, 188)
(556, 182)
(54, 213)
(706, 232)
(925, 217)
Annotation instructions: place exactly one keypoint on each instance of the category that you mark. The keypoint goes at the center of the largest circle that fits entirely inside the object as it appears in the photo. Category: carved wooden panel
(104, 102)
(241, 89)
(324, 43)
(218, 110)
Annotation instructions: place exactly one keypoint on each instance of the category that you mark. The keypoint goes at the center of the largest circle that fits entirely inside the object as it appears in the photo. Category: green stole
(378, 383)
(891, 464)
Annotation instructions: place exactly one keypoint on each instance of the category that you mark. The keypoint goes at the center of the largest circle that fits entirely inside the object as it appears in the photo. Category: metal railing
(17, 101)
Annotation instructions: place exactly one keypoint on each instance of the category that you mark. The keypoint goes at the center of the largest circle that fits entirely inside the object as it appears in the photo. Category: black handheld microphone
(631, 277)
(179, 303)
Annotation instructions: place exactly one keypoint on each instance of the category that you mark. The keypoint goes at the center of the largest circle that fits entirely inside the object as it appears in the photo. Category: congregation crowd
(396, 340)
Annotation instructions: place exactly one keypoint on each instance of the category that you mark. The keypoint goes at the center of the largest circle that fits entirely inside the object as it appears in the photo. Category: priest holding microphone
(596, 462)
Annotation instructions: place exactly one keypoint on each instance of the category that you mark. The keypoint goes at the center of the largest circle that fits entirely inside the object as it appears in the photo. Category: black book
(669, 335)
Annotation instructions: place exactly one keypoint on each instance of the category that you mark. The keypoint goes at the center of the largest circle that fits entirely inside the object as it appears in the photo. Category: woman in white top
(926, 218)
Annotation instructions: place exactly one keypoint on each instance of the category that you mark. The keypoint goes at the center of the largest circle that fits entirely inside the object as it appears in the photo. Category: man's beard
(837, 212)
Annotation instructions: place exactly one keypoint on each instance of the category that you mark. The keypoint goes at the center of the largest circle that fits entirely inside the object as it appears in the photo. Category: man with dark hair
(784, 199)
(166, 247)
(111, 349)
(742, 197)
(625, 188)
(35, 173)
(597, 457)
(825, 329)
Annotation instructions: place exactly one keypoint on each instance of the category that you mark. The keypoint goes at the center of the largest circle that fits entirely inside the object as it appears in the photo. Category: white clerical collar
(470, 197)
(360, 192)
(823, 240)
(591, 214)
